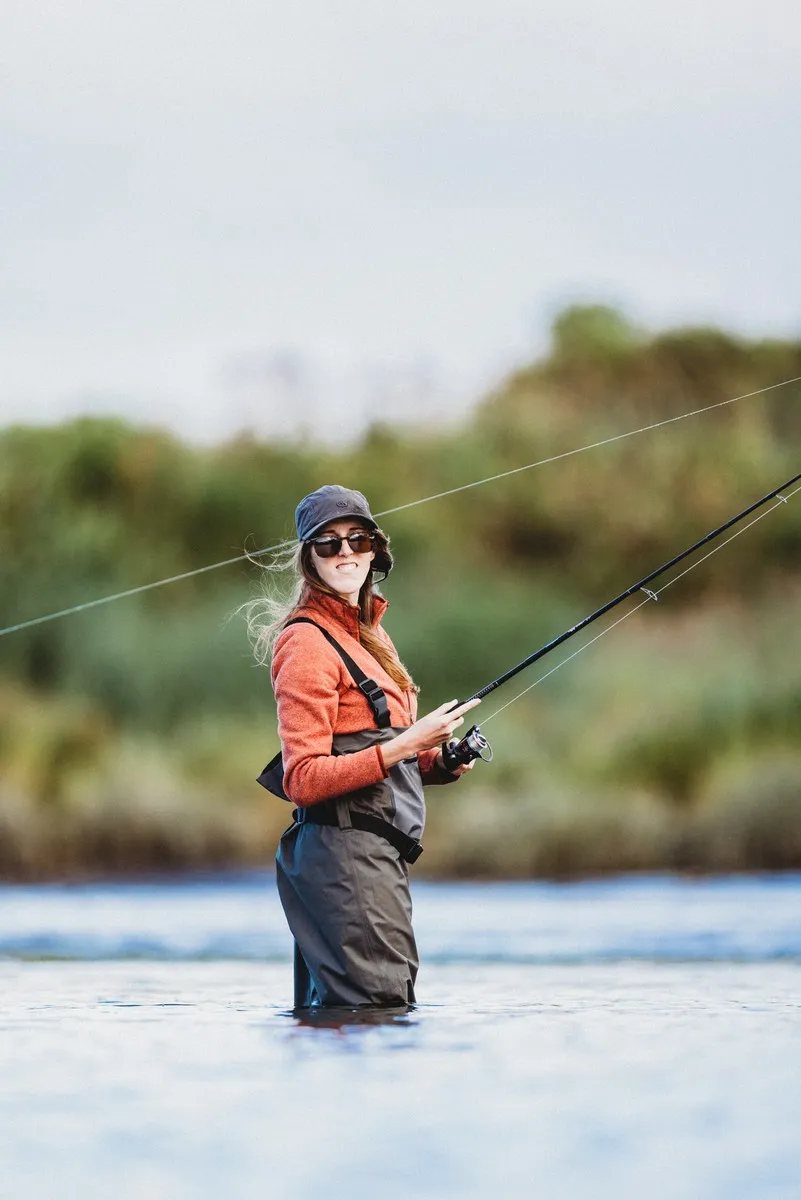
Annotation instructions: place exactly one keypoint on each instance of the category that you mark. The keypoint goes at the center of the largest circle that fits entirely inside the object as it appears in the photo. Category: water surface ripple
(743, 919)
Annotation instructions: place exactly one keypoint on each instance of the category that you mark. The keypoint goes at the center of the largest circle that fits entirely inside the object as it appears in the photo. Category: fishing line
(617, 437)
(134, 591)
(649, 598)
(227, 562)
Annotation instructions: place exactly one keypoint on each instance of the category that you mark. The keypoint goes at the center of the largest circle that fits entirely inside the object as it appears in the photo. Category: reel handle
(459, 753)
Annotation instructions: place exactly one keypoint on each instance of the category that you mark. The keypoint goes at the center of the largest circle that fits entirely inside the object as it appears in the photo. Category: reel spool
(459, 754)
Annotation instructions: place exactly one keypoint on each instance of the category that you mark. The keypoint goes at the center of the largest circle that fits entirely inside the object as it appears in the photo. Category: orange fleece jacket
(317, 698)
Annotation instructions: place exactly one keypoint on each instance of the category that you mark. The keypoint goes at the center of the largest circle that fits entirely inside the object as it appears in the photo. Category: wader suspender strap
(368, 687)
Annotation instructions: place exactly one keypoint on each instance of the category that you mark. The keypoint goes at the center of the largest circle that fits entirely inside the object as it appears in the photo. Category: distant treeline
(131, 732)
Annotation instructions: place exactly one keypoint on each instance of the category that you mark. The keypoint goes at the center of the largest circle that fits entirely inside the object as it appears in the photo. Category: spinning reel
(460, 753)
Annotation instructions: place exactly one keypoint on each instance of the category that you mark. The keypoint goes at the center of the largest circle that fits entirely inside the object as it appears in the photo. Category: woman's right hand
(427, 733)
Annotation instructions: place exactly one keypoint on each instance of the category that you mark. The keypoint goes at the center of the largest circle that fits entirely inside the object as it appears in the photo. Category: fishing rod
(475, 745)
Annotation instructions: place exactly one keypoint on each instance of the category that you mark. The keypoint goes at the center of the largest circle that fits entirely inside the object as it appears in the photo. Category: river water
(614, 1039)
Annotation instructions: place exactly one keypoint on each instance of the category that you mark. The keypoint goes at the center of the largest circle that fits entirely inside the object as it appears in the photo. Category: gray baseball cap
(330, 503)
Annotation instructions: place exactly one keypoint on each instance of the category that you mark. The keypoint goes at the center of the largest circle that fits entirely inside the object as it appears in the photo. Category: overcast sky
(218, 215)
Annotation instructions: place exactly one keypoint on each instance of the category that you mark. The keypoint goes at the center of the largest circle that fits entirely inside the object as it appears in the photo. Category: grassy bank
(670, 744)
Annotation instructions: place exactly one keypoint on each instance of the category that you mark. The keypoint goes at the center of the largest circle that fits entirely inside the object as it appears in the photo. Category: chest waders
(343, 877)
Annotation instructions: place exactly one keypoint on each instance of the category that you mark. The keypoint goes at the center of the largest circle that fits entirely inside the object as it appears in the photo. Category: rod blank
(640, 585)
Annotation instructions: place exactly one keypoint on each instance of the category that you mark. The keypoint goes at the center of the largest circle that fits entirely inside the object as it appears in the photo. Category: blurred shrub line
(131, 733)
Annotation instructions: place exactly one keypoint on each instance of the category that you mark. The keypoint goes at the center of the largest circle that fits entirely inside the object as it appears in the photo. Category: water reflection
(341, 1018)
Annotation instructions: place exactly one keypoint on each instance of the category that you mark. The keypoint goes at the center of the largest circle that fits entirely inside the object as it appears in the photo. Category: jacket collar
(344, 615)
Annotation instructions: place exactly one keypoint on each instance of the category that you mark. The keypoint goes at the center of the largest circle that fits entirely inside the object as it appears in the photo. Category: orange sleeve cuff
(381, 762)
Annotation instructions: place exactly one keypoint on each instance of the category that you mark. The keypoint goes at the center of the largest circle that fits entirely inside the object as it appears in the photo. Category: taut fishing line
(227, 562)
(648, 599)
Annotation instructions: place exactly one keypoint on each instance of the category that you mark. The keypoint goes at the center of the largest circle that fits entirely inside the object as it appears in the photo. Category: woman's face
(346, 571)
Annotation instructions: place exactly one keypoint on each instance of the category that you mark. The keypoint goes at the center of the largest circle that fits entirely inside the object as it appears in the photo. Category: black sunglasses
(359, 541)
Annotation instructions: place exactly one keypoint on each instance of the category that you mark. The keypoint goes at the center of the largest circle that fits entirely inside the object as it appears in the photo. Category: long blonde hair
(268, 613)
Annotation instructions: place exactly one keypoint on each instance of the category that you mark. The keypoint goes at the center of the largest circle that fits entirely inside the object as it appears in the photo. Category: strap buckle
(377, 700)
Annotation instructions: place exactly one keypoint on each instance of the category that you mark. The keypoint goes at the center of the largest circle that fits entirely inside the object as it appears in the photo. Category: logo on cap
(342, 504)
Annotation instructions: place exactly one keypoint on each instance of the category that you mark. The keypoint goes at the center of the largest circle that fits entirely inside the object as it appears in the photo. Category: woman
(354, 761)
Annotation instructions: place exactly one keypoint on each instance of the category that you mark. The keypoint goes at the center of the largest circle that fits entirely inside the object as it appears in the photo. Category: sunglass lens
(360, 543)
(327, 547)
